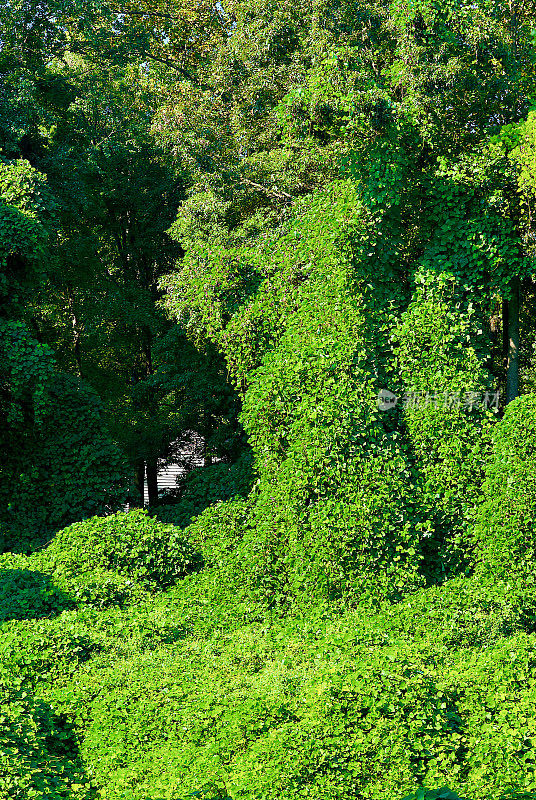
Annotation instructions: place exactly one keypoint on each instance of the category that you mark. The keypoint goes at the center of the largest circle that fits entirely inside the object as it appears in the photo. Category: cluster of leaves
(204, 486)
(441, 352)
(180, 694)
(64, 468)
(130, 543)
(200, 691)
(505, 522)
(26, 217)
(101, 561)
(304, 345)
(39, 756)
(59, 463)
(318, 308)
(317, 317)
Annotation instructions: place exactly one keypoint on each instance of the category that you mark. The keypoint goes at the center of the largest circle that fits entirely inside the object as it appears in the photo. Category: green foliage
(305, 343)
(26, 222)
(374, 704)
(38, 751)
(63, 465)
(59, 463)
(321, 731)
(204, 486)
(232, 580)
(27, 594)
(27, 369)
(471, 214)
(130, 545)
(280, 645)
(434, 794)
(25, 364)
(103, 561)
(441, 359)
(505, 524)
(192, 692)
(522, 153)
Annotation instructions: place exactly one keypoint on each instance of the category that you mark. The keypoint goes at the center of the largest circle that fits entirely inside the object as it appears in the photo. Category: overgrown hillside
(285, 644)
(118, 687)
(305, 235)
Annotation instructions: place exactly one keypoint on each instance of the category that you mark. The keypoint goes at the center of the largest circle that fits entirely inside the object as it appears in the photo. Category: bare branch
(277, 193)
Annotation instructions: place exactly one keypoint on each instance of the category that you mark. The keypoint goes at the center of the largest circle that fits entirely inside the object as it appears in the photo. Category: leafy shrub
(506, 524)
(67, 469)
(364, 705)
(278, 731)
(309, 346)
(462, 613)
(101, 588)
(46, 649)
(100, 562)
(446, 383)
(203, 486)
(38, 751)
(179, 695)
(102, 553)
(26, 594)
(232, 582)
(433, 794)
(218, 532)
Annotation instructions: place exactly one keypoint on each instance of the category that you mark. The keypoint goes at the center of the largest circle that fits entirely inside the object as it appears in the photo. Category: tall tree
(406, 96)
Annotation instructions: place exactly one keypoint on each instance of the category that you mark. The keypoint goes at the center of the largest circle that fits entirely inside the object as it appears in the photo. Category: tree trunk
(152, 481)
(139, 480)
(512, 363)
(505, 334)
(76, 338)
(495, 362)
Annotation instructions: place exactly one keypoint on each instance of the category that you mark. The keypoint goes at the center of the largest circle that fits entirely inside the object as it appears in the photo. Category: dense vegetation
(265, 223)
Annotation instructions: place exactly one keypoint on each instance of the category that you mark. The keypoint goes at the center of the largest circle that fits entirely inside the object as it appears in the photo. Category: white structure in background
(190, 453)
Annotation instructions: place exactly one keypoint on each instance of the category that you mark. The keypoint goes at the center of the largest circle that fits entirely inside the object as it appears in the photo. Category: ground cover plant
(301, 236)
(164, 679)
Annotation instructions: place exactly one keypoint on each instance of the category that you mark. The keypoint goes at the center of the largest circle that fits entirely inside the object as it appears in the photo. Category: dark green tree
(59, 463)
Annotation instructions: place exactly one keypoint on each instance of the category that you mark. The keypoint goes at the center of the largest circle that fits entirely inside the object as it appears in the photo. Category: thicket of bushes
(102, 561)
(283, 642)
(59, 462)
(311, 346)
(347, 611)
(189, 689)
